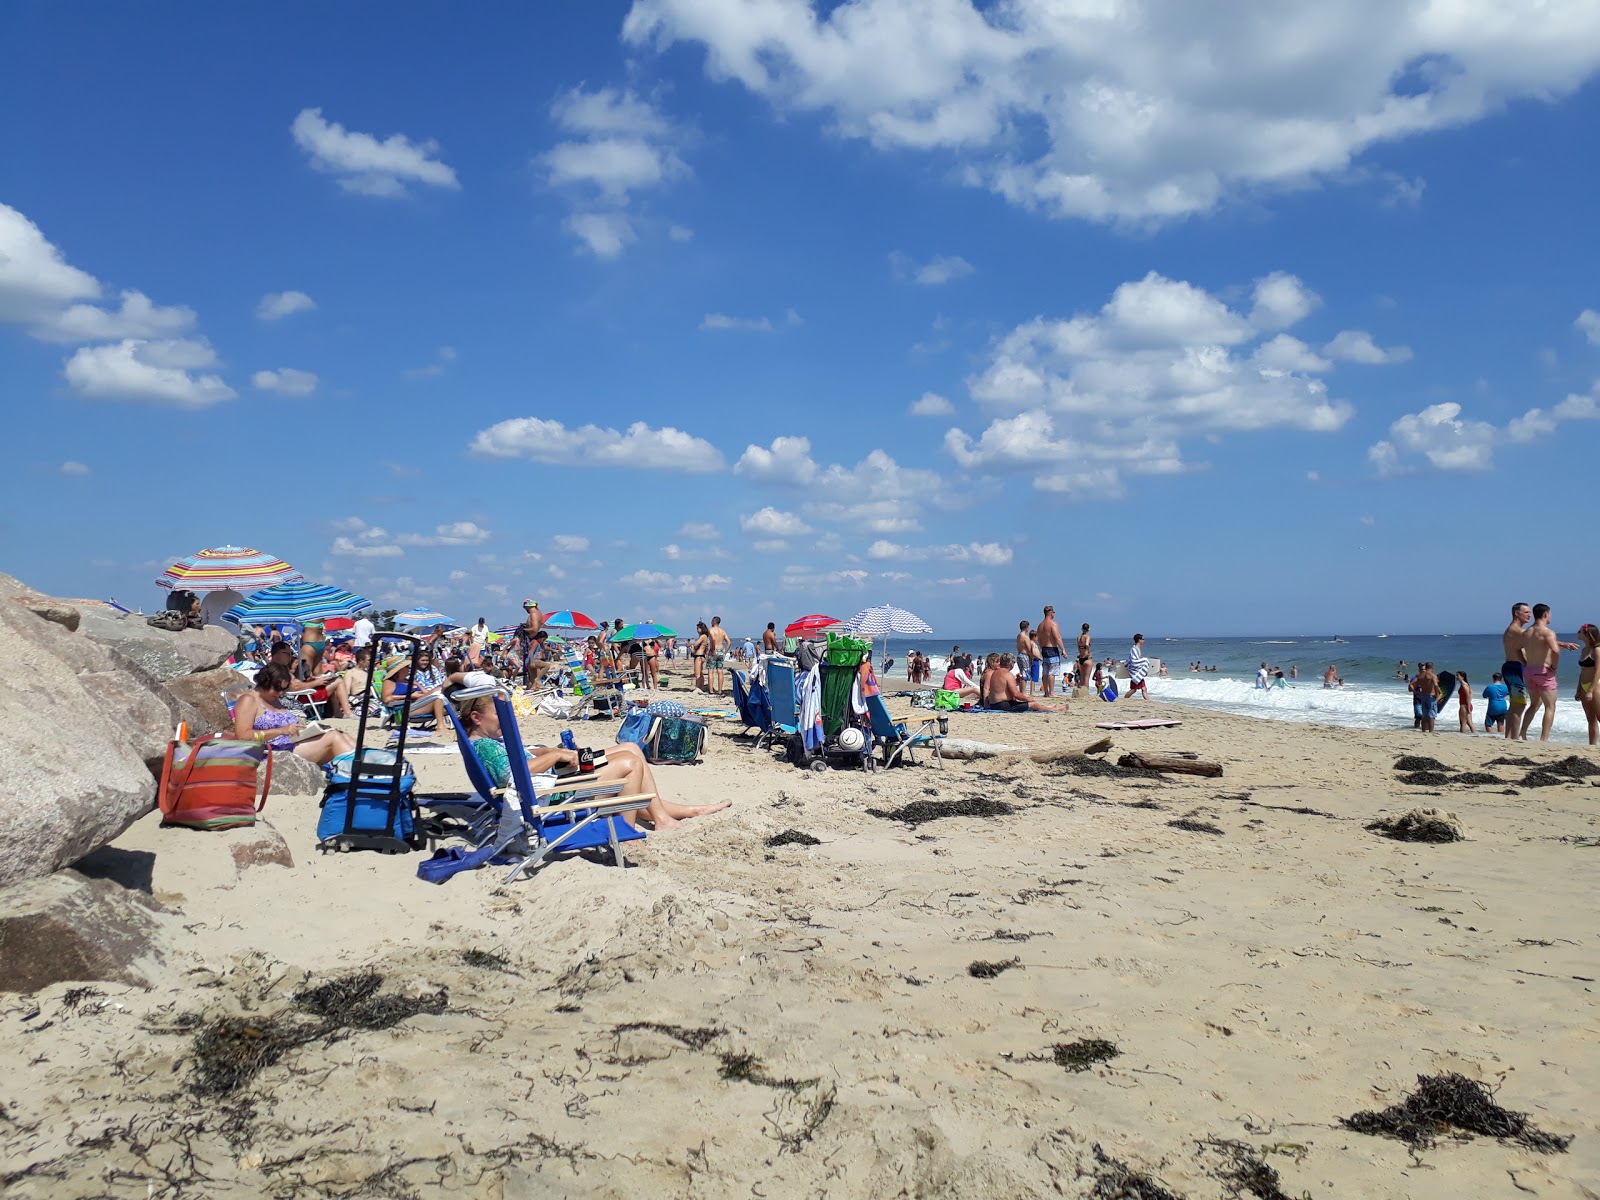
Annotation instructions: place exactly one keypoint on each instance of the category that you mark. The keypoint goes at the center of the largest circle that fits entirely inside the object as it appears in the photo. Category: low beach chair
(750, 698)
(593, 821)
(784, 701)
(896, 739)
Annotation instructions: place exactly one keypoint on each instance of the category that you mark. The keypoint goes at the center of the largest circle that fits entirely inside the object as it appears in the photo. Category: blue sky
(1179, 317)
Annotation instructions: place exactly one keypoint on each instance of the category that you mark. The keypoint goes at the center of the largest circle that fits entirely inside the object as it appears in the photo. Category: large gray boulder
(157, 654)
(296, 776)
(71, 927)
(197, 700)
(79, 736)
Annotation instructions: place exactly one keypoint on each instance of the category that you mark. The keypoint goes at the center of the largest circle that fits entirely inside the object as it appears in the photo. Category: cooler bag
(676, 740)
(375, 809)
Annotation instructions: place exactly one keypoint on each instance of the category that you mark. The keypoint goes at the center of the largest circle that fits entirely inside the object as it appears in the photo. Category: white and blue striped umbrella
(295, 603)
(886, 619)
(424, 618)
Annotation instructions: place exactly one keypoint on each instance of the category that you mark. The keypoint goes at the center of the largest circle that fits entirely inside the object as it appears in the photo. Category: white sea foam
(1308, 701)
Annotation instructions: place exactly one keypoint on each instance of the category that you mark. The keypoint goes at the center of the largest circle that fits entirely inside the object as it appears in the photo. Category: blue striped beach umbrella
(425, 618)
(885, 619)
(296, 603)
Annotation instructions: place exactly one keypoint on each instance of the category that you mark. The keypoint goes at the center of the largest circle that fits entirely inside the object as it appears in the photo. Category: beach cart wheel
(818, 765)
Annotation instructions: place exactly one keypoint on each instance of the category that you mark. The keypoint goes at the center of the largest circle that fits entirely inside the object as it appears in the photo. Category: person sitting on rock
(260, 716)
(625, 763)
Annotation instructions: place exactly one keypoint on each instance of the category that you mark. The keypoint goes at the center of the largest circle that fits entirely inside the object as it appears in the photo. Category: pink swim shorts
(1539, 679)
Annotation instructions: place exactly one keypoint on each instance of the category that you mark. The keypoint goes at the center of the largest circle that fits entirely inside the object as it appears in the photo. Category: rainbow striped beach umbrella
(227, 568)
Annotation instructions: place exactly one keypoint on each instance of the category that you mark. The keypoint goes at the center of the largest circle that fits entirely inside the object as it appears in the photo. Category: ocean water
(1371, 698)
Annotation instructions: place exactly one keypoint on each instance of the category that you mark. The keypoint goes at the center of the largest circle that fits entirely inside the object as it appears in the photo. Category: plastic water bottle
(567, 740)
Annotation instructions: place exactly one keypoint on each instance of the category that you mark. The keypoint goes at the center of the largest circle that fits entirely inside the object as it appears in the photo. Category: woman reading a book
(260, 716)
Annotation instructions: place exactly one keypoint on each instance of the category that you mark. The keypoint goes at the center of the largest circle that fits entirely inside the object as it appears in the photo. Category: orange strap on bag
(211, 784)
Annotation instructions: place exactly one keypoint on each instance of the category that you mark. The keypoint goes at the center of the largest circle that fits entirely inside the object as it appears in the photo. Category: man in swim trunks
(1085, 656)
(1425, 697)
(1498, 697)
(1051, 650)
(717, 662)
(1511, 669)
(1542, 651)
(769, 638)
(1003, 694)
(1027, 657)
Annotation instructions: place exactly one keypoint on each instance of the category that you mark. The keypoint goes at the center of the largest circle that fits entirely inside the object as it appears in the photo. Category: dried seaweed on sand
(990, 970)
(1418, 762)
(793, 837)
(1116, 1180)
(1443, 1103)
(1194, 826)
(1419, 825)
(919, 812)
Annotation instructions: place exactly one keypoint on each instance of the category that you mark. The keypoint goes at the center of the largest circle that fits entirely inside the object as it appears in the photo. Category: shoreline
(732, 1015)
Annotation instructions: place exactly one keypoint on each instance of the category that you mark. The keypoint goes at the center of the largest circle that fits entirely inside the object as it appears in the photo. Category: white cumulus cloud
(286, 381)
(1136, 113)
(274, 306)
(1588, 324)
(453, 533)
(1447, 441)
(941, 268)
(603, 234)
(74, 468)
(773, 523)
(1088, 398)
(877, 495)
(932, 404)
(1357, 346)
(539, 440)
(156, 371)
(570, 543)
(365, 165)
(136, 317)
(36, 281)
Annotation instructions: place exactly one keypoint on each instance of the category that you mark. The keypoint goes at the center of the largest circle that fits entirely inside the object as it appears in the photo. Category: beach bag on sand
(636, 727)
(946, 701)
(560, 707)
(211, 783)
(676, 740)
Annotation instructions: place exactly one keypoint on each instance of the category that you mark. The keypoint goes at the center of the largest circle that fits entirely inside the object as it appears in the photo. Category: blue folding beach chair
(594, 821)
(896, 739)
(750, 698)
(785, 717)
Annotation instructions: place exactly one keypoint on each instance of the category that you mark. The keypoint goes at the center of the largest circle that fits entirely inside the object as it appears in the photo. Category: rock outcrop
(197, 700)
(80, 734)
(72, 927)
(295, 776)
(157, 655)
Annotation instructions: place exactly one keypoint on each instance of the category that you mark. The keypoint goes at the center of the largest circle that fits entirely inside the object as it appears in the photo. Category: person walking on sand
(1511, 640)
(1541, 655)
(1052, 650)
(1464, 704)
(1138, 668)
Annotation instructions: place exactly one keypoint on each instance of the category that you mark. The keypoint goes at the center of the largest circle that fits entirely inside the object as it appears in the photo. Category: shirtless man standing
(1542, 654)
(1085, 656)
(1425, 697)
(1051, 649)
(1511, 669)
(719, 655)
(1026, 654)
(769, 638)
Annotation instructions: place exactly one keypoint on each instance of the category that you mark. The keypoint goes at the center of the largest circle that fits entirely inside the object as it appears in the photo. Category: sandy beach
(730, 1018)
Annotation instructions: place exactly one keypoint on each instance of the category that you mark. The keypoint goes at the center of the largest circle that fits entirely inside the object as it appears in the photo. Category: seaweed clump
(920, 812)
(1448, 1102)
(1571, 769)
(1116, 1180)
(487, 960)
(990, 970)
(1418, 762)
(1426, 779)
(1079, 1055)
(1194, 826)
(793, 837)
(1245, 1171)
(231, 1051)
(1478, 778)
(1419, 825)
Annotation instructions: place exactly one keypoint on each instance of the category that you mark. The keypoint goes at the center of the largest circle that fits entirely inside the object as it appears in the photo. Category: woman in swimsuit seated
(260, 717)
(958, 681)
(1588, 693)
(625, 764)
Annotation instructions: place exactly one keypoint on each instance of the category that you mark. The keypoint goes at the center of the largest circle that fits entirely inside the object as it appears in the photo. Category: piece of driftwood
(1050, 756)
(966, 748)
(1164, 762)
